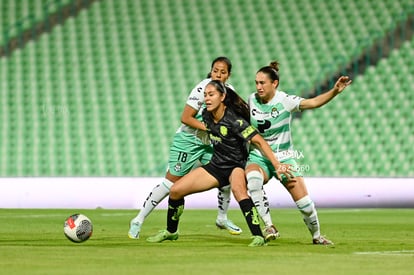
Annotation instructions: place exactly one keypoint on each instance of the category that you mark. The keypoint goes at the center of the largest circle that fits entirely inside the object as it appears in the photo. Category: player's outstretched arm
(322, 99)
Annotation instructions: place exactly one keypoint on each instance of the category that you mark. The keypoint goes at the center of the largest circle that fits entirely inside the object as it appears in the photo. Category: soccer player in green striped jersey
(271, 113)
(190, 145)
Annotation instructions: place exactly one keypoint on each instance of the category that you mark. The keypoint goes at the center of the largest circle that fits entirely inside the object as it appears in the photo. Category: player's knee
(254, 181)
(175, 193)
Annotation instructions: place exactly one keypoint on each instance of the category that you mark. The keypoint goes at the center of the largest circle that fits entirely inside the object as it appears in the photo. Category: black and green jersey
(230, 138)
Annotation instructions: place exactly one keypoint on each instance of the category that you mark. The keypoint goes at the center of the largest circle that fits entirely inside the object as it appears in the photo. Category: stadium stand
(99, 92)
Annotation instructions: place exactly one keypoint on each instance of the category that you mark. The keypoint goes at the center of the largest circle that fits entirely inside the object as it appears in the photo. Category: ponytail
(272, 70)
(237, 104)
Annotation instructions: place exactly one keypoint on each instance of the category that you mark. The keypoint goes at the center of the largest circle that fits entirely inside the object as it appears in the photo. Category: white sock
(223, 197)
(255, 186)
(310, 215)
(157, 194)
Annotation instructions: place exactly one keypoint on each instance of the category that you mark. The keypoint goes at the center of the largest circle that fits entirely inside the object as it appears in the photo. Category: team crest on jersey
(275, 112)
(177, 167)
(223, 130)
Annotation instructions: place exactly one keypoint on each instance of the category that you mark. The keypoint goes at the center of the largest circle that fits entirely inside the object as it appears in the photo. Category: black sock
(252, 217)
(175, 209)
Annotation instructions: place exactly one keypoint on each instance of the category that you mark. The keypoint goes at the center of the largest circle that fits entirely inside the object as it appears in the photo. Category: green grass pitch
(367, 241)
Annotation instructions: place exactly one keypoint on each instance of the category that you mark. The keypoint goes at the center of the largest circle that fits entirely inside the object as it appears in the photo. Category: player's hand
(284, 169)
(342, 83)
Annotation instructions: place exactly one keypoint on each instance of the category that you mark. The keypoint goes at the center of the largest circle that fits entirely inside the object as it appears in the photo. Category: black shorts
(222, 175)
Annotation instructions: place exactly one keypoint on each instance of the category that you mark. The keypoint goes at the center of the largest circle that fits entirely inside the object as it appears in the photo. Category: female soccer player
(226, 118)
(271, 113)
(190, 145)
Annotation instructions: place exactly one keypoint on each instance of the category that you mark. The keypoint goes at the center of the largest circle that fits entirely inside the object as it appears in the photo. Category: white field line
(394, 252)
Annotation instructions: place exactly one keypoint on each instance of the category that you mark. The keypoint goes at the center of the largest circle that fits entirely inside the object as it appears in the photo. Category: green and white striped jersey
(273, 119)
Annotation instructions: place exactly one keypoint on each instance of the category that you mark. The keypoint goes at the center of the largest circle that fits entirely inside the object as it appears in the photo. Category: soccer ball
(78, 228)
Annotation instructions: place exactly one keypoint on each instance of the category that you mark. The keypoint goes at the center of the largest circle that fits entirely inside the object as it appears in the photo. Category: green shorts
(185, 151)
(268, 168)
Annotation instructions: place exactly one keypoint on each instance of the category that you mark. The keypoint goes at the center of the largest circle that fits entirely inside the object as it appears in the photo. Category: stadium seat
(123, 70)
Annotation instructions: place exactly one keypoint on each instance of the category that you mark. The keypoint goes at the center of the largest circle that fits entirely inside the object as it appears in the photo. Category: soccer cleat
(271, 233)
(229, 226)
(134, 228)
(258, 241)
(163, 235)
(322, 240)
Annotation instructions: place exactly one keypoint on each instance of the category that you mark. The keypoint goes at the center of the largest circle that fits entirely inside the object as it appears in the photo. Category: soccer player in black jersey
(190, 146)
(226, 117)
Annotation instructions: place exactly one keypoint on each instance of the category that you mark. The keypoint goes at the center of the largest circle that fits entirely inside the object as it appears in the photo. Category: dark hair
(220, 59)
(272, 70)
(232, 100)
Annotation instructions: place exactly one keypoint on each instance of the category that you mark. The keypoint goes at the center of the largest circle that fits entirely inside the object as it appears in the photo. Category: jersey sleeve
(196, 97)
(243, 129)
(292, 103)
